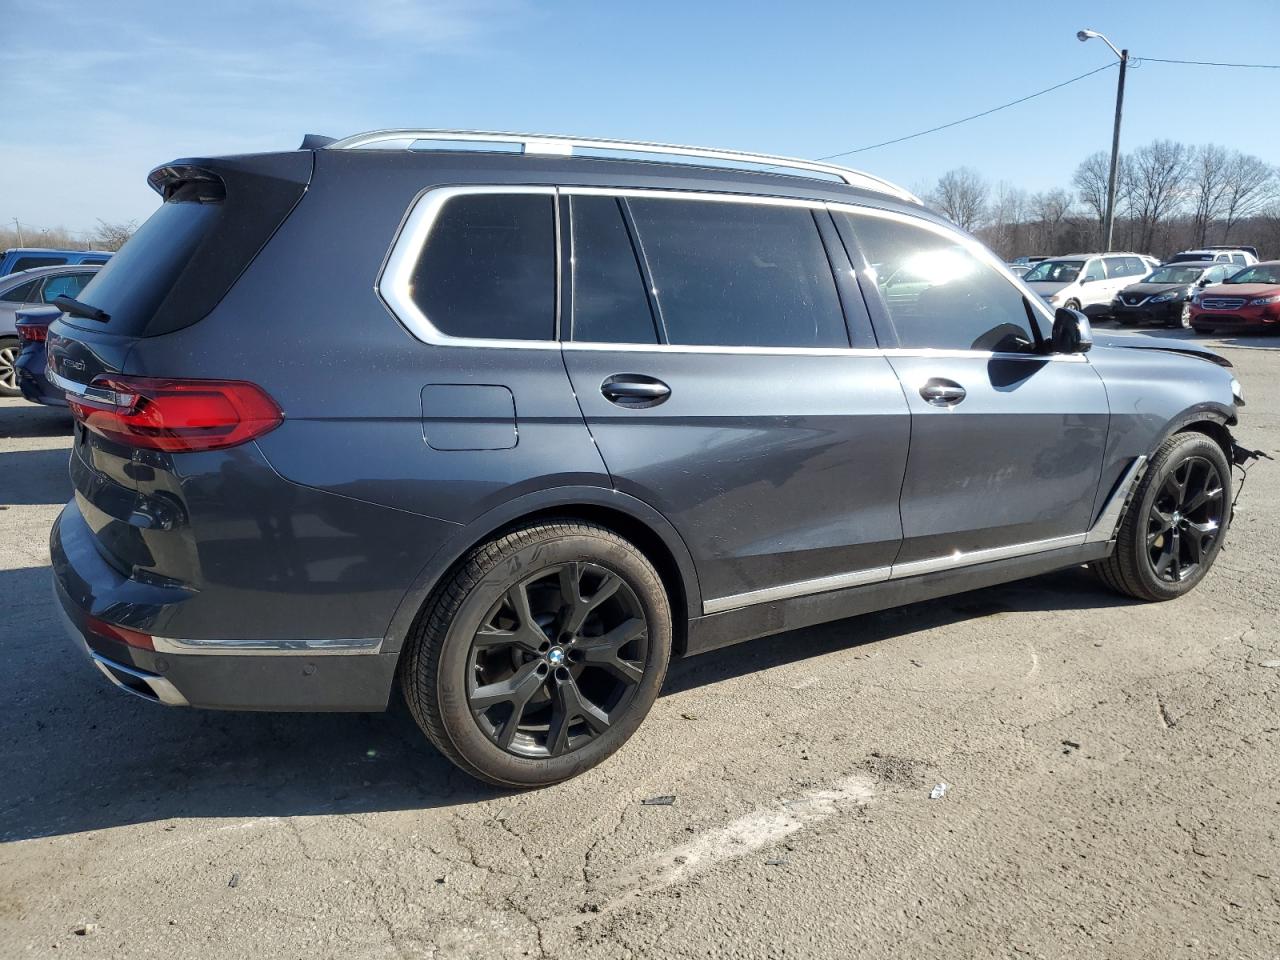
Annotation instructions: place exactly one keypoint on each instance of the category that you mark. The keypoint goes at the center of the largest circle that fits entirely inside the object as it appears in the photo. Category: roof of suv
(551, 145)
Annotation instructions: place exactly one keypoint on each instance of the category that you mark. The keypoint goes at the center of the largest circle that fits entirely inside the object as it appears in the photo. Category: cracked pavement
(1111, 771)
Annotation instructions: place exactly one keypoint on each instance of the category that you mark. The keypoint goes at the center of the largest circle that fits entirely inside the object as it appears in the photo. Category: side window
(1093, 271)
(69, 285)
(609, 301)
(1238, 258)
(22, 293)
(1133, 266)
(939, 294)
(97, 261)
(488, 268)
(739, 274)
(28, 263)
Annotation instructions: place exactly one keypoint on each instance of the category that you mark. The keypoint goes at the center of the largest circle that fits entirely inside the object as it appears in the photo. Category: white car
(1086, 281)
(1241, 256)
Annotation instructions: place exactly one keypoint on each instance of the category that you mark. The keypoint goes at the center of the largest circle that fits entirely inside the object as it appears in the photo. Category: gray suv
(505, 423)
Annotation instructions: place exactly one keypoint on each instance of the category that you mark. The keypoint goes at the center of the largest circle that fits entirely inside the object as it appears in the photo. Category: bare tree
(961, 194)
(112, 236)
(1251, 186)
(1006, 220)
(1156, 184)
(1090, 181)
(1208, 181)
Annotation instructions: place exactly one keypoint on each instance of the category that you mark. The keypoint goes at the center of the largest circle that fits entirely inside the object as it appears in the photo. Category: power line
(984, 113)
(1211, 63)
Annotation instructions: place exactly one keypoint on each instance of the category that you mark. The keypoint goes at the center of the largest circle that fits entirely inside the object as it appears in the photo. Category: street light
(1109, 215)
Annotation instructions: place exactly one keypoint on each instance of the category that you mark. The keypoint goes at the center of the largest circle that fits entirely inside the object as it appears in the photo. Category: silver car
(29, 288)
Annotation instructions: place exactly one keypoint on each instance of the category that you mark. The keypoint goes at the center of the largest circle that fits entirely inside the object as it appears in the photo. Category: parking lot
(1110, 769)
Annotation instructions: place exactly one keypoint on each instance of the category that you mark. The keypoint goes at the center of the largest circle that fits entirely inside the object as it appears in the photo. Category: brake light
(176, 415)
(31, 333)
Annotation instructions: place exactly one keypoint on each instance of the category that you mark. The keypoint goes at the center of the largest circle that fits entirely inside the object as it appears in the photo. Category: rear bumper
(32, 382)
(229, 675)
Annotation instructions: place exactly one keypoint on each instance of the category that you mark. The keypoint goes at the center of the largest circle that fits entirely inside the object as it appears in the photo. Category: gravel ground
(1111, 769)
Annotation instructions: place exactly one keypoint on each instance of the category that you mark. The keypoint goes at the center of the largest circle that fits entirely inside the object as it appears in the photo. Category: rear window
(488, 268)
(21, 293)
(30, 263)
(68, 285)
(133, 283)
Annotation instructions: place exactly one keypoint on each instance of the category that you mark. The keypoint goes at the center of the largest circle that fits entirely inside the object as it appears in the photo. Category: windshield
(1262, 273)
(1175, 275)
(1055, 271)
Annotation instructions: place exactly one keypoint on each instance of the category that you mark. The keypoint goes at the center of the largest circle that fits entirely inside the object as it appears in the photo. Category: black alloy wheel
(557, 660)
(1185, 519)
(540, 653)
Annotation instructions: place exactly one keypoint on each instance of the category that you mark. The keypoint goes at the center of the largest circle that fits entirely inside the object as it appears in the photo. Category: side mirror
(1202, 282)
(1072, 332)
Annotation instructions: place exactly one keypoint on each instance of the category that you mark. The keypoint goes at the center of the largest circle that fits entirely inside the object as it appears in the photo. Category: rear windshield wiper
(78, 309)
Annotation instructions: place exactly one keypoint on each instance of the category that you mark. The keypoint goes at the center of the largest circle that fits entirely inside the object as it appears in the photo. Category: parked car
(25, 289)
(1028, 261)
(1164, 295)
(1236, 255)
(33, 329)
(1085, 281)
(17, 259)
(1247, 300)
(1018, 269)
(610, 412)
(1240, 247)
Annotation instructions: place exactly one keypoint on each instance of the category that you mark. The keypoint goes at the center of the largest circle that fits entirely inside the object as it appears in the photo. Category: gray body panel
(762, 470)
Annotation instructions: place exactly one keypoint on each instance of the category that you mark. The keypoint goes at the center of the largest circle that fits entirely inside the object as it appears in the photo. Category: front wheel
(1072, 304)
(9, 350)
(540, 655)
(1183, 320)
(1175, 523)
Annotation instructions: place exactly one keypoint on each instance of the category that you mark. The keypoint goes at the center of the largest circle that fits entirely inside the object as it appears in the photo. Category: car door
(707, 344)
(1006, 441)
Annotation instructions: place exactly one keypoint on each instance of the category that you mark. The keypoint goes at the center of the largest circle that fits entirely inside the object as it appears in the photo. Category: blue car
(25, 258)
(33, 328)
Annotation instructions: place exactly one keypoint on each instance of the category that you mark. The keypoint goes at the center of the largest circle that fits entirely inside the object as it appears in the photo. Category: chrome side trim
(788, 591)
(1102, 531)
(245, 648)
(92, 394)
(1108, 522)
(563, 146)
(974, 557)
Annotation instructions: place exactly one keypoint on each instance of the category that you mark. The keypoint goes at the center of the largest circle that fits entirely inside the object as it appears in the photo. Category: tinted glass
(95, 260)
(21, 293)
(938, 293)
(1093, 271)
(29, 263)
(1237, 258)
(739, 274)
(1055, 271)
(134, 282)
(488, 268)
(609, 301)
(68, 285)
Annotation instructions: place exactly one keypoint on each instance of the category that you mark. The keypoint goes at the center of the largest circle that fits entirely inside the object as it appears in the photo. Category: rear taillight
(176, 415)
(32, 333)
(134, 638)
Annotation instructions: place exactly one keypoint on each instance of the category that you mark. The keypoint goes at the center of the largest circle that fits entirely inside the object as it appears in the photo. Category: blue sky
(98, 93)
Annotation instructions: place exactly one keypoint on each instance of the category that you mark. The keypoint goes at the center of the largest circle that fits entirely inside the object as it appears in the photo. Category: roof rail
(560, 146)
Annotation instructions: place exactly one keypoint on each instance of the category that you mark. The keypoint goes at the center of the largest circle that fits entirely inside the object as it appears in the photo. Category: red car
(1248, 300)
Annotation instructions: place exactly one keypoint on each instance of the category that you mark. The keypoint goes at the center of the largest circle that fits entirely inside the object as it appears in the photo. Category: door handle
(942, 393)
(634, 390)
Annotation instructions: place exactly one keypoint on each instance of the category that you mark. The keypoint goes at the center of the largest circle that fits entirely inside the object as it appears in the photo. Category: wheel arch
(1211, 419)
(627, 516)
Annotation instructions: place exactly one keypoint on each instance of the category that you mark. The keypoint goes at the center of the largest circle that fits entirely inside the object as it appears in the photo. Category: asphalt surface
(1111, 772)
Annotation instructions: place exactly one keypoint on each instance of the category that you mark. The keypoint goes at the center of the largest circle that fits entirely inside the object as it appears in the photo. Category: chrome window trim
(241, 648)
(395, 284)
(1102, 531)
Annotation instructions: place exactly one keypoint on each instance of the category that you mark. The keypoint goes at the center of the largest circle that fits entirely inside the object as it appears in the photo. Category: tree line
(107, 235)
(1170, 196)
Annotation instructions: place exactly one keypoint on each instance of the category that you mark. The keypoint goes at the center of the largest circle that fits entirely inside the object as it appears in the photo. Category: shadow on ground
(101, 758)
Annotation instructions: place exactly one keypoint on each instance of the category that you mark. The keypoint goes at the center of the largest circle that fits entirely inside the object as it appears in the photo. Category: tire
(9, 350)
(1072, 304)
(1168, 539)
(524, 681)
(1183, 320)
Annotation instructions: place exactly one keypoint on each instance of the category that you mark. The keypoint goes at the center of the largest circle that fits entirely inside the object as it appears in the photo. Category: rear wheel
(9, 350)
(1175, 524)
(541, 654)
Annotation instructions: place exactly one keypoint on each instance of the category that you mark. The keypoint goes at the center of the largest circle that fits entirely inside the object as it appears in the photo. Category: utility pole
(17, 226)
(1109, 216)
(1109, 226)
